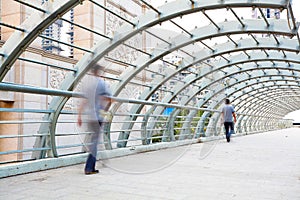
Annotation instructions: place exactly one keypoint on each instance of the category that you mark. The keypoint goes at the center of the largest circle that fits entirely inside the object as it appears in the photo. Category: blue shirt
(94, 89)
(227, 113)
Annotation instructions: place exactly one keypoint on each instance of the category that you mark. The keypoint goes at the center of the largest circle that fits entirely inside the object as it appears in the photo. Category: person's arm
(234, 117)
(108, 101)
(80, 110)
(222, 116)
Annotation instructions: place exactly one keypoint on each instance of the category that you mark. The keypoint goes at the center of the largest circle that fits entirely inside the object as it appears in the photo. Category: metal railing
(71, 140)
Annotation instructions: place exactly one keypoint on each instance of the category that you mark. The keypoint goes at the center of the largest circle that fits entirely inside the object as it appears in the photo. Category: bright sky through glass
(246, 13)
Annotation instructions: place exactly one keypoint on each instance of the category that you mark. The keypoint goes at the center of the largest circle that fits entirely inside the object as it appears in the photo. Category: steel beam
(34, 25)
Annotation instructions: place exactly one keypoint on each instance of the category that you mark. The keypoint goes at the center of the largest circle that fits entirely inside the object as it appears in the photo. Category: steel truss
(258, 72)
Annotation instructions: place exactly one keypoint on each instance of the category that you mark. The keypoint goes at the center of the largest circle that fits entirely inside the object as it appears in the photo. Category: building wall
(8, 144)
(27, 73)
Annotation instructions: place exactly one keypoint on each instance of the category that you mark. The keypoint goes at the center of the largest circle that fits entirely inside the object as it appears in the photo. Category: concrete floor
(263, 166)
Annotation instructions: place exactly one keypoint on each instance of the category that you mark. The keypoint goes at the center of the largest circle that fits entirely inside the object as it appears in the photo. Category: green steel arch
(287, 45)
(31, 28)
(237, 71)
(124, 33)
(227, 68)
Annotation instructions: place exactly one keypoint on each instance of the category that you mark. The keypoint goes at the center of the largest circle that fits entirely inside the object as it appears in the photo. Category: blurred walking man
(97, 101)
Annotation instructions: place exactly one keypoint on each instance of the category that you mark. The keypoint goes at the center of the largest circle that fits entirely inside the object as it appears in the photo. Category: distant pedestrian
(95, 104)
(229, 118)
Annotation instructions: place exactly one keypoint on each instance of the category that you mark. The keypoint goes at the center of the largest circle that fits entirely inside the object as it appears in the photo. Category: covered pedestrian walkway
(170, 67)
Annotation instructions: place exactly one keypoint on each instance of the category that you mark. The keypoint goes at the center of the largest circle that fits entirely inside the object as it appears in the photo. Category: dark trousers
(229, 128)
(95, 128)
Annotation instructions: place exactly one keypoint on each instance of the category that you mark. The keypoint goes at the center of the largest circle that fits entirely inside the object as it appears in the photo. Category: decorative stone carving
(55, 80)
(122, 53)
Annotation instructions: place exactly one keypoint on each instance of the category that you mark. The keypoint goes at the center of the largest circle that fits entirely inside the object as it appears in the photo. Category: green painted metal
(253, 79)
(18, 42)
(144, 22)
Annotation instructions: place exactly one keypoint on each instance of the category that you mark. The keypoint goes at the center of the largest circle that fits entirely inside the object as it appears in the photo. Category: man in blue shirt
(229, 118)
(97, 101)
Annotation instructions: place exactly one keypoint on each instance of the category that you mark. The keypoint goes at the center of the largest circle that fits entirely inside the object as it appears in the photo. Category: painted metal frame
(223, 69)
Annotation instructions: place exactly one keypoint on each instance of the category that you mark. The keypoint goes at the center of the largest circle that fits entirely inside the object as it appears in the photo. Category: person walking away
(229, 118)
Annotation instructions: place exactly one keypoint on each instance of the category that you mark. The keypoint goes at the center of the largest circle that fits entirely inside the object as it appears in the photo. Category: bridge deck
(262, 166)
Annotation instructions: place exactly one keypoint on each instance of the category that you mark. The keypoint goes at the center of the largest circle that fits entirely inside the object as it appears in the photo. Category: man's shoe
(228, 139)
(91, 172)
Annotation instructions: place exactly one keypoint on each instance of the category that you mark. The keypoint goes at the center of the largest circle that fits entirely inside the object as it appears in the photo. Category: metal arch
(264, 115)
(64, 99)
(33, 26)
(288, 45)
(193, 92)
(150, 19)
(178, 88)
(262, 109)
(258, 47)
(247, 45)
(167, 11)
(269, 45)
(207, 99)
(260, 94)
(247, 110)
(244, 89)
(242, 104)
(127, 31)
(254, 58)
(230, 75)
(268, 106)
(263, 92)
(207, 70)
(254, 86)
(255, 97)
(237, 71)
(192, 113)
(252, 83)
(261, 103)
(291, 99)
(253, 26)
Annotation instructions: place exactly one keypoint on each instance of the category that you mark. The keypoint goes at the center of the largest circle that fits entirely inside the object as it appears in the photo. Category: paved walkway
(261, 167)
